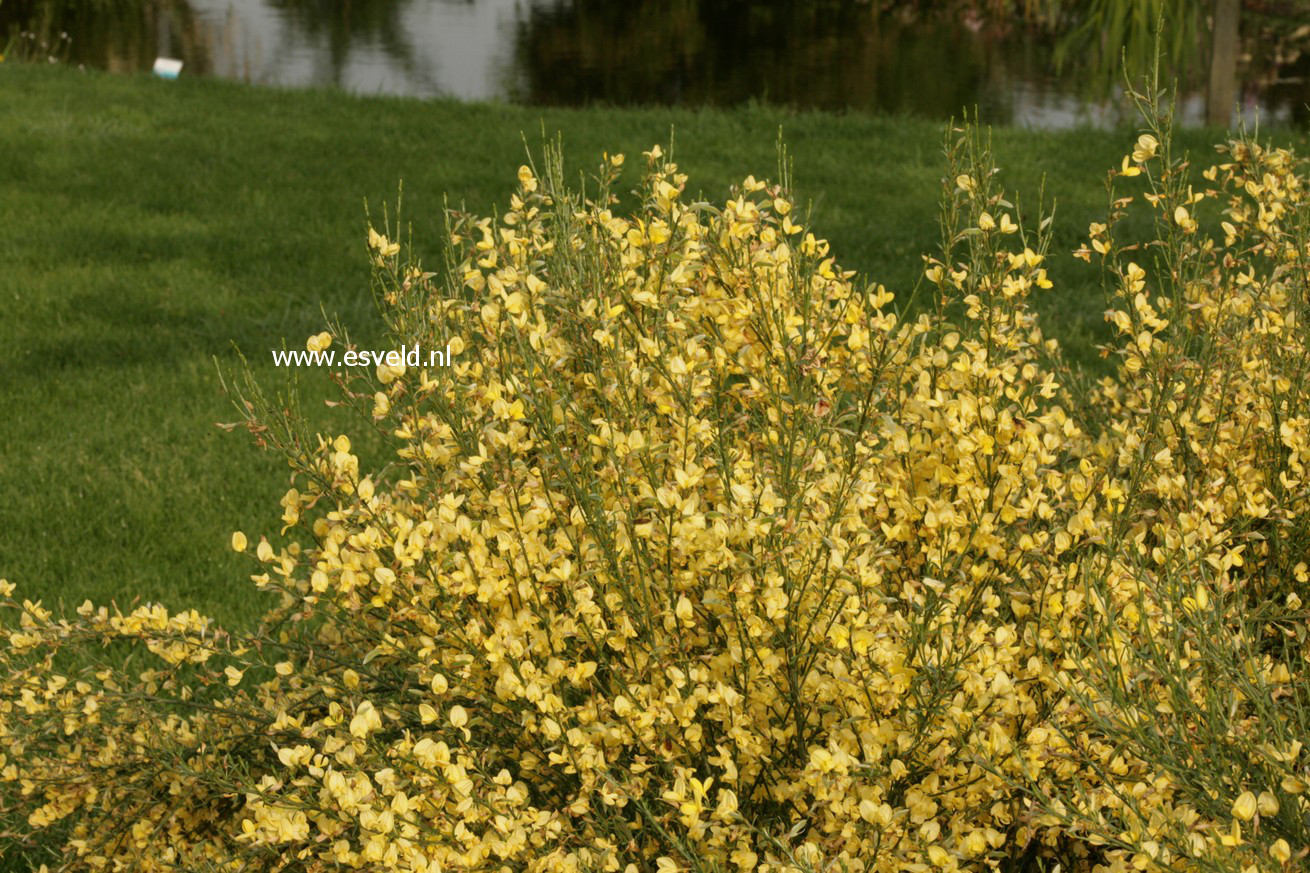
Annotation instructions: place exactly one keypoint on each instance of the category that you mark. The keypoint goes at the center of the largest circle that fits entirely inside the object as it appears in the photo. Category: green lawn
(148, 226)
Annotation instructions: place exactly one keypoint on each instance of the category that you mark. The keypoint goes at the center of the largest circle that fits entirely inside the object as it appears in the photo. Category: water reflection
(807, 53)
(449, 48)
(114, 35)
(803, 54)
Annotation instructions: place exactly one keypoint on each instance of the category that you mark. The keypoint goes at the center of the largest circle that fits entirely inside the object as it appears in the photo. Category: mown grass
(148, 227)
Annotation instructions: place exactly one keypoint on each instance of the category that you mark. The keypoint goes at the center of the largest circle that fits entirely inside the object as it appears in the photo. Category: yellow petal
(1245, 806)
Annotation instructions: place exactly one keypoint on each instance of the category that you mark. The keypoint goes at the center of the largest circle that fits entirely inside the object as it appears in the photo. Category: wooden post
(1223, 63)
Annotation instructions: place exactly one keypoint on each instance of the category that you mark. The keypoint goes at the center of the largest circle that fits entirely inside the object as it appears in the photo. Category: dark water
(830, 54)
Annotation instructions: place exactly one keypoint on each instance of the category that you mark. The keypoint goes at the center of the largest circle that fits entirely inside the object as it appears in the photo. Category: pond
(831, 54)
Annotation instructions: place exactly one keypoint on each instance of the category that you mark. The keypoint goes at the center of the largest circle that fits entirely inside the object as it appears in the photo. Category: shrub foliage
(699, 557)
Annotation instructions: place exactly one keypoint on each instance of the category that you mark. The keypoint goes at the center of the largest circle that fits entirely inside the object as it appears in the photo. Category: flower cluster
(699, 557)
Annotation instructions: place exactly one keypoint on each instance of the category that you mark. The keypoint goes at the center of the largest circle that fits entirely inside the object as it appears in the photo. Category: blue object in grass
(167, 68)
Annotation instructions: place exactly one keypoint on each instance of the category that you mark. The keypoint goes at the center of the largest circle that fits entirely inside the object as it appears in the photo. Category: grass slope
(147, 226)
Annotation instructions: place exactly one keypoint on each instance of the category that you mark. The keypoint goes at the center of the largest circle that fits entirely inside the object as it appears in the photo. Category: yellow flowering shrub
(697, 557)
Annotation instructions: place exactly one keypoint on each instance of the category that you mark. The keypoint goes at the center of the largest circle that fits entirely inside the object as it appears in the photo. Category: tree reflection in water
(114, 35)
(343, 28)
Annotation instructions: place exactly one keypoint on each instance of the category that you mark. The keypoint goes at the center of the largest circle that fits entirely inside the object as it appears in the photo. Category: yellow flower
(380, 244)
(1245, 806)
(1267, 803)
(365, 721)
(238, 541)
(975, 843)
(1145, 149)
